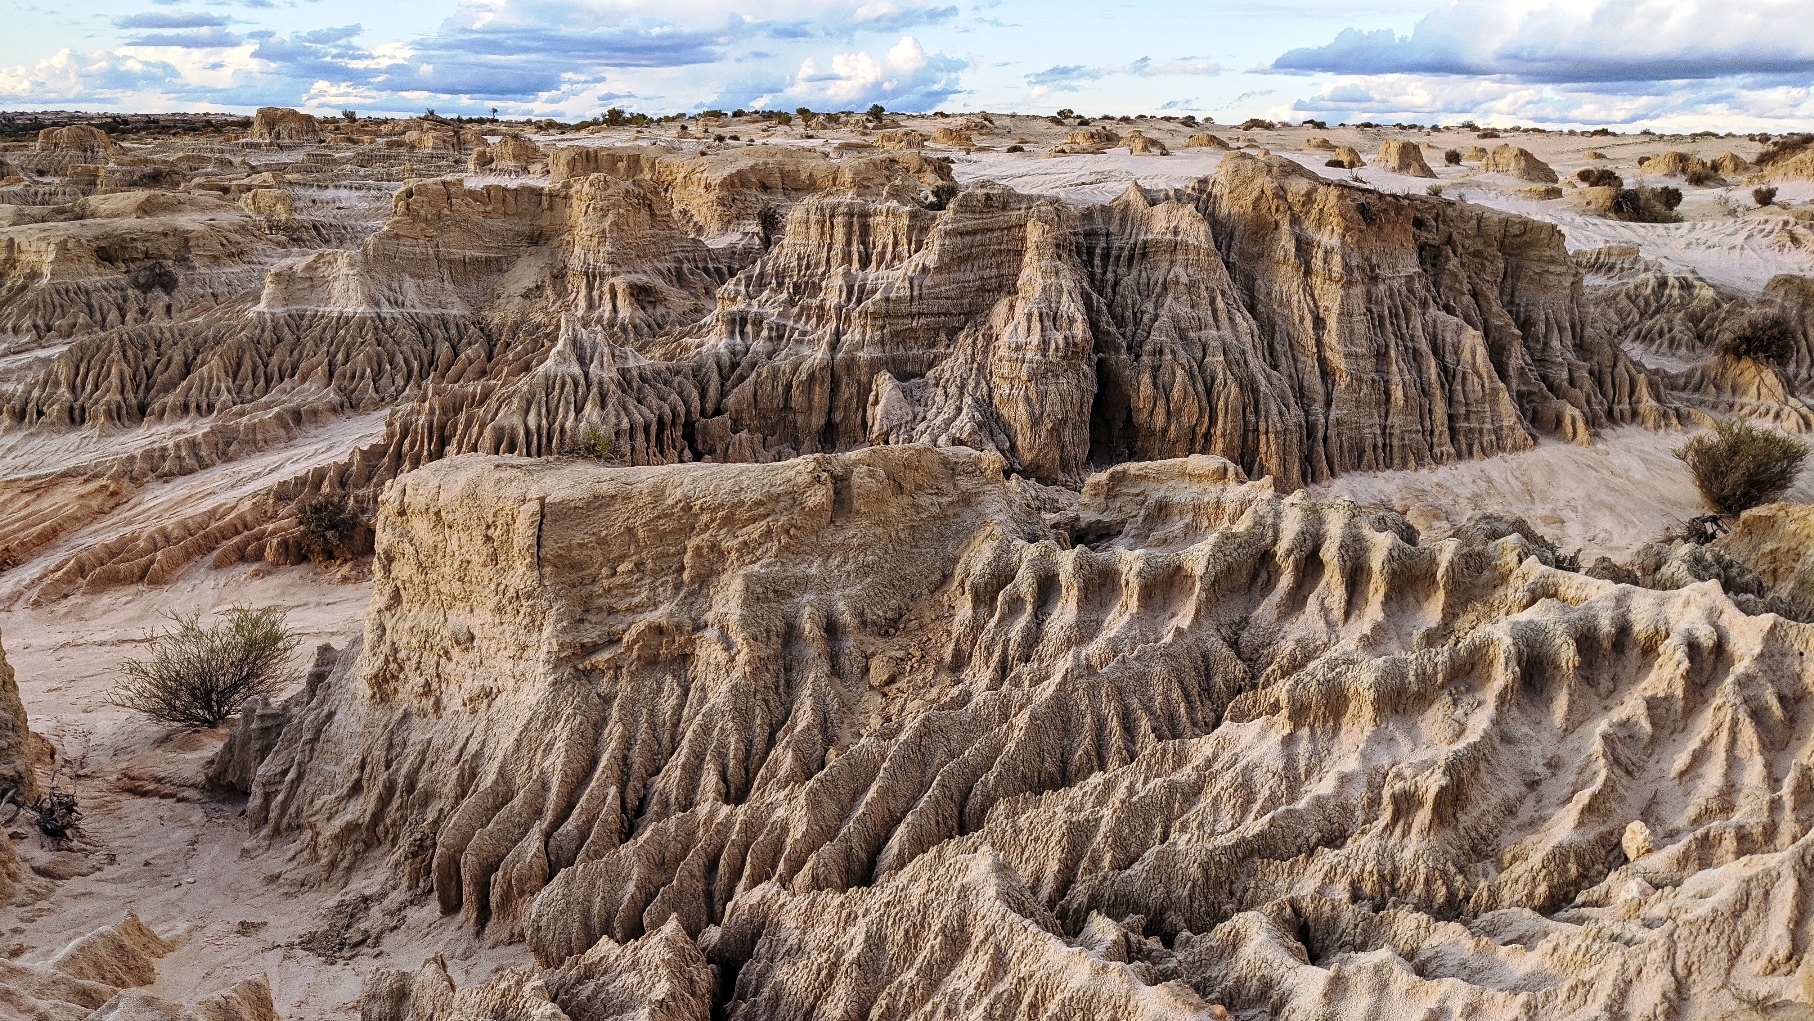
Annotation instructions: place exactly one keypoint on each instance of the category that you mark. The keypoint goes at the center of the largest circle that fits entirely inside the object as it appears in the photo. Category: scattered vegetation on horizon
(198, 676)
(1739, 466)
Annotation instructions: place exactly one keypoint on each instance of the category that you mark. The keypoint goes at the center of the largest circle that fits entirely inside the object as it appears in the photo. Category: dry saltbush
(198, 676)
(1738, 466)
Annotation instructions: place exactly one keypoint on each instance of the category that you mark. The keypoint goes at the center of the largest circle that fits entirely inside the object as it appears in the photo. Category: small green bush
(595, 444)
(1452, 157)
(327, 524)
(1738, 466)
(942, 194)
(198, 676)
(1434, 189)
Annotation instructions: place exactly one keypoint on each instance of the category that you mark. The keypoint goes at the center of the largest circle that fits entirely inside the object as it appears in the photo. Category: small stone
(1637, 841)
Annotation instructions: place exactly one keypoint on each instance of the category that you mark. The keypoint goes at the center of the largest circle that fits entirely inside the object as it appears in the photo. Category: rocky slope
(1182, 742)
(754, 304)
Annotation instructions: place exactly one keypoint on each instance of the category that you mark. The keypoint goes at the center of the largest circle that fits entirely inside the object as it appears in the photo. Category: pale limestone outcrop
(1518, 162)
(711, 710)
(1205, 140)
(269, 204)
(1402, 157)
(281, 125)
(1345, 157)
(80, 139)
(511, 154)
(1678, 164)
(1140, 145)
(905, 138)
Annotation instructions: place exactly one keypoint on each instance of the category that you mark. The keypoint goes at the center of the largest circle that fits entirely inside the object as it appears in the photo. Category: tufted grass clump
(197, 676)
(1739, 466)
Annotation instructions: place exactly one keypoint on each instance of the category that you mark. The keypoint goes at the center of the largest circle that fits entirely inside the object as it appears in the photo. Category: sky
(1682, 65)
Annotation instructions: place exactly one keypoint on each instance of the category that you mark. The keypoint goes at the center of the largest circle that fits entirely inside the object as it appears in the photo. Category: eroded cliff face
(715, 739)
(751, 305)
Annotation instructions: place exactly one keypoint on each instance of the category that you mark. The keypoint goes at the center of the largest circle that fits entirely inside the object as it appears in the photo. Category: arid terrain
(965, 567)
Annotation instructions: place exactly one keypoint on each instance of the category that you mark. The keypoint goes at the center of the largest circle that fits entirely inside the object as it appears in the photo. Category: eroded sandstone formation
(1176, 741)
(98, 976)
(757, 303)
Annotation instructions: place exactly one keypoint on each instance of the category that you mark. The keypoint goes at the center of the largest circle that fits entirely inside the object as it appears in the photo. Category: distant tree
(349, 115)
(615, 117)
(876, 112)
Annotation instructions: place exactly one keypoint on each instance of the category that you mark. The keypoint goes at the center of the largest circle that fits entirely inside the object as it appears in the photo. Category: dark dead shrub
(1761, 338)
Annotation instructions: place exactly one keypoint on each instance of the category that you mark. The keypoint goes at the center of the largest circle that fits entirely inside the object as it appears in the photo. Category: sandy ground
(184, 862)
(1608, 498)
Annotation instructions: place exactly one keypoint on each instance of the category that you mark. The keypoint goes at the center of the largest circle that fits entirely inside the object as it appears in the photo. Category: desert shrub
(1647, 205)
(1738, 466)
(1764, 195)
(1015, 148)
(593, 443)
(1452, 157)
(1434, 189)
(1256, 124)
(1699, 176)
(1488, 133)
(198, 676)
(327, 524)
(1599, 177)
(876, 112)
(1761, 338)
(942, 194)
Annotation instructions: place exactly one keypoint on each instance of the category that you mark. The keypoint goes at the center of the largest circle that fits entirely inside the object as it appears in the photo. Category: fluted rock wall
(1187, 741)
(767, 303)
